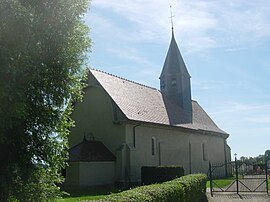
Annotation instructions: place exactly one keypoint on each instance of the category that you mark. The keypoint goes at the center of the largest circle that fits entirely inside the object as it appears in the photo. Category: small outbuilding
(90, 164)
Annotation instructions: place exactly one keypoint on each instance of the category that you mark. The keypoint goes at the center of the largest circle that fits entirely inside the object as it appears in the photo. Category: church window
(153, 146)
(173, 82)
(204, 149)
(162, 84)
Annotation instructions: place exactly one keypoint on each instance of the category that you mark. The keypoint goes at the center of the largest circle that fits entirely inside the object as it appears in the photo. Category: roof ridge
(122, 78)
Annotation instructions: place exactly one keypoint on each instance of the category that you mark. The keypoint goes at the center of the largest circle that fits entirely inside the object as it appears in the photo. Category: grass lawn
(80, 198)
(88, 194)
(225, 182)
(220, 182)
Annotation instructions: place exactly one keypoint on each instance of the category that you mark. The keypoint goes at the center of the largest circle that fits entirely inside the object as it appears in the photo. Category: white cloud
(206, 85)
(261, 119)
(130, 54)
(234, 107)
(248, 125)
(232, 23)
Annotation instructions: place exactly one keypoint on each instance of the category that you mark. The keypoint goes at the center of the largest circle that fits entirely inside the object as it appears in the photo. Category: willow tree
(43, 46)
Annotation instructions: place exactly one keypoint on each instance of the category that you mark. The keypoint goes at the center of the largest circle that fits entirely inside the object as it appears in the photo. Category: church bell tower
(175, 81)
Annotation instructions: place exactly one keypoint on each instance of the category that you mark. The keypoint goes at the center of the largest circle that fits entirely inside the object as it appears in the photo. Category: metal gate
(238, 176)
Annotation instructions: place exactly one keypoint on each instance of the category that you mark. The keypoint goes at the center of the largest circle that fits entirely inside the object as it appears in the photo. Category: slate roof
(174, 63)
(90, 150)
(142, 103)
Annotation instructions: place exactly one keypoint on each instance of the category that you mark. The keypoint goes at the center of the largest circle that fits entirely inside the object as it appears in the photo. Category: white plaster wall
(90, 173)
(215, 151)
(73, 173)
(97, 173)
(174, 149)
(94, 117)
(228, 150)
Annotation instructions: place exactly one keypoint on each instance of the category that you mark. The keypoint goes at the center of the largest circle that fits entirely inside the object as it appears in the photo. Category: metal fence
(239, 176)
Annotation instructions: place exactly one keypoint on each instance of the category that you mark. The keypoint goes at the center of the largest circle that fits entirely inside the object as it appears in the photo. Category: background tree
(267, 154)
(257, 160)
(42, 58)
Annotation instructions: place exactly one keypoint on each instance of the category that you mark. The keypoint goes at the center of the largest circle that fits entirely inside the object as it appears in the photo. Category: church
(122, 125)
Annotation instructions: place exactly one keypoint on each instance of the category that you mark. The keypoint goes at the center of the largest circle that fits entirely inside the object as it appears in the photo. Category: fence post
(210, 176)
(266, 171)
(236, 173)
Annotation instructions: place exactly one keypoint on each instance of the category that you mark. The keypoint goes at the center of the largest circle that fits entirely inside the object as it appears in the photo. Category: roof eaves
(225, 135)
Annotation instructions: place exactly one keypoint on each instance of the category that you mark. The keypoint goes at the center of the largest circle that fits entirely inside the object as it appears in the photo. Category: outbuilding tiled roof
(142, 103)
(90, 150)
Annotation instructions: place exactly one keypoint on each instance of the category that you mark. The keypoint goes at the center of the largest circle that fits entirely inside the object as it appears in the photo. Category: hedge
(190, 188)
(151, 175)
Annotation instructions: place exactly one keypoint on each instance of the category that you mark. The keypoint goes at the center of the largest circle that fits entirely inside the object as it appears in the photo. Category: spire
(174, 63)
(171, 17)
(175, 80)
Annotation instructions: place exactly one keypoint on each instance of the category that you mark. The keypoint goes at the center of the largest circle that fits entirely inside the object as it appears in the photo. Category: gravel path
(227, 197)
(250, 183)
(245, 185)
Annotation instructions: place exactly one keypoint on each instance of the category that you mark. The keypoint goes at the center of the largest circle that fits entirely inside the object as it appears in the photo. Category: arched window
(153, 146)
(173, 82)
(205, 152)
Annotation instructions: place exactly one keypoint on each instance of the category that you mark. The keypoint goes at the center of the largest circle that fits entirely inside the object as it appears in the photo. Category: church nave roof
(142, 103)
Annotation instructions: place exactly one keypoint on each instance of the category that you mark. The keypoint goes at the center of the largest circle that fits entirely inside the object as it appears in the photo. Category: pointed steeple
(174, 63)
(175, 80)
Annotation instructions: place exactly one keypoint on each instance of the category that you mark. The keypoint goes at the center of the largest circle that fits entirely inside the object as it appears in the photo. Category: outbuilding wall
(90, 173)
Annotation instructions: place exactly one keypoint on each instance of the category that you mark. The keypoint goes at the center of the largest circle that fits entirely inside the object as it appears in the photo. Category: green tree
(267, 154)
(43, 46)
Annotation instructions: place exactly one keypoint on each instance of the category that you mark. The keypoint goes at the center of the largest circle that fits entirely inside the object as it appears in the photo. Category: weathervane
(171, 16)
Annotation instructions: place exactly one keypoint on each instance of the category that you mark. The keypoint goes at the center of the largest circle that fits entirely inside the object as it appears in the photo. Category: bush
(195, 186)
(190, 188)
(151, 175)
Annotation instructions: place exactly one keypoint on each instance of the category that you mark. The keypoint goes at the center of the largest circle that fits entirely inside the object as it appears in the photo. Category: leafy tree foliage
(267, 154)
(43, 45)
(260, 159)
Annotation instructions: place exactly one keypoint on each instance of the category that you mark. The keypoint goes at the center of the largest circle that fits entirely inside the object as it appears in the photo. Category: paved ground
(249, 183)
(246, 184)
(227, 197)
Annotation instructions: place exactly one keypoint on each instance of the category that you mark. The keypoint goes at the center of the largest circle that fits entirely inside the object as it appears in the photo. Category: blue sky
(225, 45)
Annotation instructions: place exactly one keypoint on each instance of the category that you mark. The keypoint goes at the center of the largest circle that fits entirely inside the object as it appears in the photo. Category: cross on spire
(171, 16)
